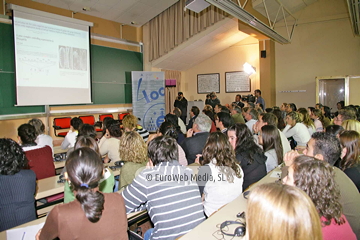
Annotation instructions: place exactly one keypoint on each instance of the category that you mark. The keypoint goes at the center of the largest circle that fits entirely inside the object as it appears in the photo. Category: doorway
(332, 90)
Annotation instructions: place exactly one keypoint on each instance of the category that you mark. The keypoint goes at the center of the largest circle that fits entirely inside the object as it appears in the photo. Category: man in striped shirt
(167, 191)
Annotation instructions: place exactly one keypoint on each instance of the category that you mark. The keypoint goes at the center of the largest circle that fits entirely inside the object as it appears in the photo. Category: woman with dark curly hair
(350, 162)
(225, 175)
(316, 179)
(17, 186)
(248, 154)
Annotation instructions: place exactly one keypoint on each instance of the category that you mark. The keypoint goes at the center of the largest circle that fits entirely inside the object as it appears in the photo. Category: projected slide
(51, 58)
(44, 50)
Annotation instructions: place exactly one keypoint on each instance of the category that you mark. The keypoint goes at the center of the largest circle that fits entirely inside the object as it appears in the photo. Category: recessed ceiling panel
(129, 12)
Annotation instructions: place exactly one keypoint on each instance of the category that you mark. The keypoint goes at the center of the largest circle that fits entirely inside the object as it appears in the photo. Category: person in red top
(316, 179)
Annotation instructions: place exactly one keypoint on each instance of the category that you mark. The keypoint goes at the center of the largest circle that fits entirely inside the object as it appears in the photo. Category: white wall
(228, 60)
(323, 45)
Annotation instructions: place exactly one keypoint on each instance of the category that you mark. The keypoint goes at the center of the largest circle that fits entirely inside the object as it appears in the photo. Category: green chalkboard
(7, 76)
(110, 76)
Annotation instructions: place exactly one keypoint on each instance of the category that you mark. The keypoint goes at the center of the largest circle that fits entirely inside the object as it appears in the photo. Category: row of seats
(63, 123)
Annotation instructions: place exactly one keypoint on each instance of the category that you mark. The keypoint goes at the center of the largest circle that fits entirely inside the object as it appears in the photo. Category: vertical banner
(148, 98)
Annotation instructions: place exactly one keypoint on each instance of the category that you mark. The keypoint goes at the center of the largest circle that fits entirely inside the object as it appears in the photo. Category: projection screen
(52, 58)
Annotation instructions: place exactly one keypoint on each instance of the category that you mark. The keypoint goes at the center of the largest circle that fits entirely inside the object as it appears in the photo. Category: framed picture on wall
(237, 82)
(207, 83)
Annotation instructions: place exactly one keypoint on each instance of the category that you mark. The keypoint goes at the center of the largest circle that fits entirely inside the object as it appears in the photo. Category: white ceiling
(129, 12)
(202, 46)
(198, 48)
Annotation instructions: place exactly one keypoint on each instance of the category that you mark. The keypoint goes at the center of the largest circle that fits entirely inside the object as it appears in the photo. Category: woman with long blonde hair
(281, 212)
(133, 151)
(351, 124)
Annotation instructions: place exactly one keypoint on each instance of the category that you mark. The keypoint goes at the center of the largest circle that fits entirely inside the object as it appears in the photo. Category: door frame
(346, 78)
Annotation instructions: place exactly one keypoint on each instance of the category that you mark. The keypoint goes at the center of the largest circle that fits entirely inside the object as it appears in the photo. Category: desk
(57, 150)
(59, 164)
(49, 186)
(206, 229)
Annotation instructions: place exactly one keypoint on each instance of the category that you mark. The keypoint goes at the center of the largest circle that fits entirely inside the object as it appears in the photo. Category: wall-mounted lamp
(249, 69)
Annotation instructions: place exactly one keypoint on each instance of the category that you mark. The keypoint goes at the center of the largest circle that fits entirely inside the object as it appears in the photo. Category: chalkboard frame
(240, 90)
(210, 76)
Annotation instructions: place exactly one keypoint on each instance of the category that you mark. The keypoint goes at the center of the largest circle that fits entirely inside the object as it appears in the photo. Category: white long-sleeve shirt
(299, 132)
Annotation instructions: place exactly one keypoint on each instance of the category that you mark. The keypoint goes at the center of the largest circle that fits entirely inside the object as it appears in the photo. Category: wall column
(267, 72)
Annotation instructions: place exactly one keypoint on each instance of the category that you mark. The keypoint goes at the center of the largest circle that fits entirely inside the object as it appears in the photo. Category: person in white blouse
(42, 139)
(307, 121)
(296, 129)
(70, 138)
(225, 176)
(109, 144)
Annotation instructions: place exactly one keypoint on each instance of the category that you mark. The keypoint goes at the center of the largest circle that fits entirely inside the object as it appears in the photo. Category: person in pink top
(316, 178)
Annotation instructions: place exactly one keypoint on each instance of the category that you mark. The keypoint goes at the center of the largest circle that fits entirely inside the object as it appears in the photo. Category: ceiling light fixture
(353, 6)
(241, 14)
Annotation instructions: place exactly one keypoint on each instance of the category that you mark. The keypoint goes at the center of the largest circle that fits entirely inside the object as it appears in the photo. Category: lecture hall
(179, 119)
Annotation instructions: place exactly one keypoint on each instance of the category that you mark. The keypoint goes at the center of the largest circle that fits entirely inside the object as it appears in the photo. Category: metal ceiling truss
(238, 10)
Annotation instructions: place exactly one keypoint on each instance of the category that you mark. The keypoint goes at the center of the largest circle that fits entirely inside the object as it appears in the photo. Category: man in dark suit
(238, 101)
(196, 137)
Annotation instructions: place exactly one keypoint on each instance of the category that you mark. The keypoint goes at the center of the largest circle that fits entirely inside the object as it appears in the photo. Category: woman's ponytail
(85, 169)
